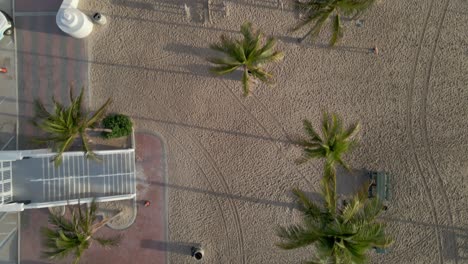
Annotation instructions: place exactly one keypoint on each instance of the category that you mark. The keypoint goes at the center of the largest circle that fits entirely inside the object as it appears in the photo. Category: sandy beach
(230, 161)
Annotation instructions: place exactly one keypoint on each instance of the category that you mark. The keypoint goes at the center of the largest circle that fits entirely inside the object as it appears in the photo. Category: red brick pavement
(48, 63)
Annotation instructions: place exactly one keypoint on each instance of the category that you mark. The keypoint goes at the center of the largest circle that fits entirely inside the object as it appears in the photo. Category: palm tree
(75, 235)
(317, 12)
(65, 124)
(332, 145)
(340, 235)
(248, 54)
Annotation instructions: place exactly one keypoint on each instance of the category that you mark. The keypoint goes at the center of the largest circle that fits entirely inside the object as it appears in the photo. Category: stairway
(78, 177)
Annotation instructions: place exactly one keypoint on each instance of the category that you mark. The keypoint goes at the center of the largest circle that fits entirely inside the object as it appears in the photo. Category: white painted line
(15, 54)
(86, 176)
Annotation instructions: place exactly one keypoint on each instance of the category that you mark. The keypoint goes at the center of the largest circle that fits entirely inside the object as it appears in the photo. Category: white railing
(80, 201)
(6, 182)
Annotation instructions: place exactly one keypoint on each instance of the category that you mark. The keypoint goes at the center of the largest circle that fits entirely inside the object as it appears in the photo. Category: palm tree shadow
(216, 130)
(204, 70)
(309, 44)
(223, 195)
(178, 48)
(203, 53)
(313, 196)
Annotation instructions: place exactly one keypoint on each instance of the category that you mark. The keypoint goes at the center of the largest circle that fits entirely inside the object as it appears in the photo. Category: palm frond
(355, 252)
(310, 131)
(306, 206)
(40, 110)
(332, 144)
(327, 125)
(351, 209)
(221, 70)
(88, 151)
(248, 53)
(267, 49)
(309, 19)
(354, 7)
(247, 31)
(72, 236)
(98, 115)
(63, 125)
(233, 49)
(319, 22)
(261, 74)
(351, 131)
(373, 207)
(316, 13)
(61, 222)
(62, 147)
(337, 31)
(295, 236)
(57, 244)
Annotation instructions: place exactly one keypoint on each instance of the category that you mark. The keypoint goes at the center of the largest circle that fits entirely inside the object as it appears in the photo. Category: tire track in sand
(210, 186)
(409, 127)
(221, 178)
(213, 163)
(267, 132)
(423, 118)
(240, 233)
(219, 174)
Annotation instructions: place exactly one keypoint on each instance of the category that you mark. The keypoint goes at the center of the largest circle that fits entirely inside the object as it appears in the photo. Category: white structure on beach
(72, 21)
(29, 180)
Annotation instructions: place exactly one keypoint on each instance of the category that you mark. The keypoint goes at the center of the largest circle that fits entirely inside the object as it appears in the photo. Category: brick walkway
(48, 60)
(144, 242)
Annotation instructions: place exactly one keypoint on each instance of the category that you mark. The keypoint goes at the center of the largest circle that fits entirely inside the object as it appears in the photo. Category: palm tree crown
(74, 236)
(332, 145)
(248, 54)
(317, 12)
(64, 124)
(340, 236)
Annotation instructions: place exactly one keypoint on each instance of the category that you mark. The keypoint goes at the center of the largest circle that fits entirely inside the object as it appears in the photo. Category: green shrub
(121, 126)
